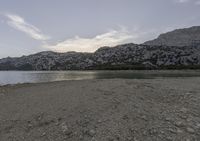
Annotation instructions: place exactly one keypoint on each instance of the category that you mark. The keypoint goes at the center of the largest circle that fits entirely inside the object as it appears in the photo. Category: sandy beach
(102, 110)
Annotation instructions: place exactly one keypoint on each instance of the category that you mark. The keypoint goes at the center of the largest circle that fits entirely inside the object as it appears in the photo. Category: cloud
(195, 2)
(20, 24)
(79, 44)
(182, 1)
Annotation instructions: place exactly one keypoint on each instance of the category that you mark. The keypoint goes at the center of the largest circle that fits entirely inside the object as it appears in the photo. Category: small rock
(144, 133)
(99, 121)
(178, 123)
(132, 130)
(144, 117)
(183, 116)
(43, 134)
(167, 119)
(189, 119)
(172, 130)
(198, 125)
(162, 132)
(190, 130)
(179, 131)
(85, 131)
(125, 117)
(152, 131)
(81, 137)
(92, 132)
(85, 116)
(65, 129)
(30, 125)
(183, 110)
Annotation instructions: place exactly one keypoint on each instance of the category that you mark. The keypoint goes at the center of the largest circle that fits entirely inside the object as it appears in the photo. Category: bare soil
(102, 110)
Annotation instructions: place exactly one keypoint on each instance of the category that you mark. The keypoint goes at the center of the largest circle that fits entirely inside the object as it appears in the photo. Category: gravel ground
(102, 110)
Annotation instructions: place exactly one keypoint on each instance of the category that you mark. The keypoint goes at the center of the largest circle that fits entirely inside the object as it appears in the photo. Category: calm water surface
(14, 77)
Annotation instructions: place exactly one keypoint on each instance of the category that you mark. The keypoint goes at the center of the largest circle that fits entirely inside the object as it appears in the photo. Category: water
(14, 77)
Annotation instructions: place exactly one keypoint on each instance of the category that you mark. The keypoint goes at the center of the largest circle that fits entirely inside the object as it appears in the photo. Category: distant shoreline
(15, 77)
(114, 69)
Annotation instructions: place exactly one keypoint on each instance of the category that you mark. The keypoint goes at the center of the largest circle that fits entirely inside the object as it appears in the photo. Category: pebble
(179, 131)
(30, 125)
(125, 117)
(183, 110)
(153, 131)
(167, 119)
(43, 134)
(162, 132)
(65, 129)
(183, 116)
(178, 123)
(198, 125)
(81, 137)
(190, 130)
(92, 132)
(189, 119)
(172, 130)
(99, 121)
(144, 117)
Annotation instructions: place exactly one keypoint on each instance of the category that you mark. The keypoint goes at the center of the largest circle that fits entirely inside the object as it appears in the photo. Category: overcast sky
(30, 26)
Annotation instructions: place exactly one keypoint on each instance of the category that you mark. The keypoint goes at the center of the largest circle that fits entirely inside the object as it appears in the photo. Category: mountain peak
(179, 37)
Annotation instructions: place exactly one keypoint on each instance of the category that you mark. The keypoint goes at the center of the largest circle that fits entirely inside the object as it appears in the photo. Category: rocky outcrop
(179, 37)
(127, 56)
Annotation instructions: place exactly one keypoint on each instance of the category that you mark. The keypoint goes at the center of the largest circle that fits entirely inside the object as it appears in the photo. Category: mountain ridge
(150, 55)
(178, 37)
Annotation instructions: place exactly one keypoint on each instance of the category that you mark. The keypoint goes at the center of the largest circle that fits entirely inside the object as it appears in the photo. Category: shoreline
(98, 79)
(21, 77)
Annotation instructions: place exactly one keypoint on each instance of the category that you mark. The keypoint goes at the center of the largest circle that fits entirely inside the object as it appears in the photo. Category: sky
(30, 26)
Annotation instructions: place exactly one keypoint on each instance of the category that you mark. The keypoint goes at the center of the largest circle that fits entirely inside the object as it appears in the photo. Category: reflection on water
(13, 77)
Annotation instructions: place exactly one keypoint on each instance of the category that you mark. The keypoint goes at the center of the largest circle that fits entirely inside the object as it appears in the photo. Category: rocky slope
(174, 50)
(128, 56)
(179, 37)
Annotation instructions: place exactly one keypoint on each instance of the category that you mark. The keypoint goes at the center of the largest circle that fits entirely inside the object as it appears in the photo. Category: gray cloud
(196, 2)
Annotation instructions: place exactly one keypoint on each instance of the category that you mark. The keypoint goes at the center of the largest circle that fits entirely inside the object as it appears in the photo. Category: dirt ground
(102, 110)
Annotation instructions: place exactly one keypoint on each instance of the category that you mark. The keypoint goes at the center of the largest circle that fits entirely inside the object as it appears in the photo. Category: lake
(14, 77)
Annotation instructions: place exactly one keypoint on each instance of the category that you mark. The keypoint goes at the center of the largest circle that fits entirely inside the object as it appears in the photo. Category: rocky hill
(179, 37)
(179, 49)
(127, 56)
